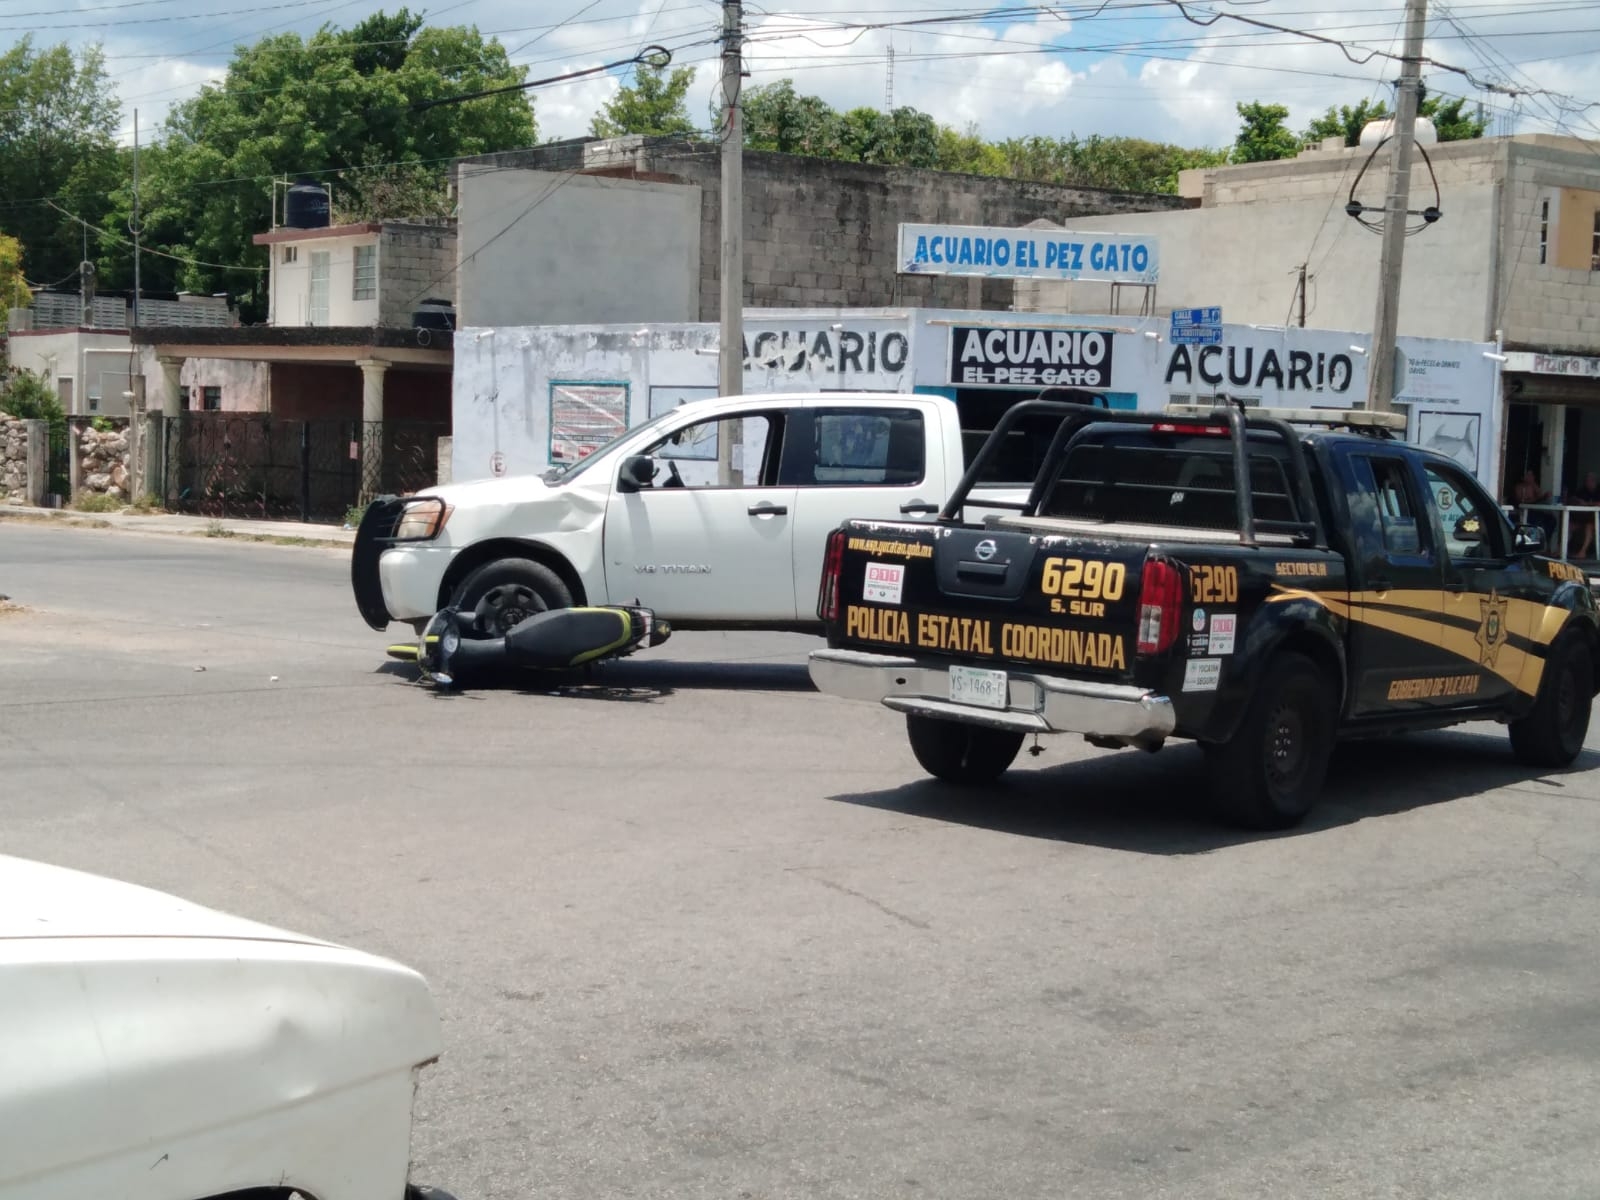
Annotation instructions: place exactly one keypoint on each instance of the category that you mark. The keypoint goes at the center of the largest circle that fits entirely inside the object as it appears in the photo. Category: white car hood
(39, 900)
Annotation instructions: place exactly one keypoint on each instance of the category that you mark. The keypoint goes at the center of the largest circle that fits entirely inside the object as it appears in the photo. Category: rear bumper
(1037, 703)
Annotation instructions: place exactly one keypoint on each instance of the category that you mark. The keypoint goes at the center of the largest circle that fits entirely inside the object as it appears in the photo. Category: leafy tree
(14, 291)
(968, 153)
(1124, 164)
(389, 191)
(1264, 136)
(776, 118)
(337, 100)
(1449, 122)
(58, 125)
(653, 106)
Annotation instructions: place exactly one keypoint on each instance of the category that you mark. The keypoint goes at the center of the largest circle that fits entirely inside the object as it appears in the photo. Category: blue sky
(1135, 67)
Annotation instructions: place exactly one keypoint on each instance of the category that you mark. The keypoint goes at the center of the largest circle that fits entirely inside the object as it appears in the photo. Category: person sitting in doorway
(1527, 491)
(1587, 494)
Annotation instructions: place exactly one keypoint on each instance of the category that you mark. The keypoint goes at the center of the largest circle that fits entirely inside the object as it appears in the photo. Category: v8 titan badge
(883, 583)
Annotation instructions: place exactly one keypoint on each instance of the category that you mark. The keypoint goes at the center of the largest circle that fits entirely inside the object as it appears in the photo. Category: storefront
(527, 397)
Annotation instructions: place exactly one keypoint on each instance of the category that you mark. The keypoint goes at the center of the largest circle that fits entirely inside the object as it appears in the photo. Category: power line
(193, 262)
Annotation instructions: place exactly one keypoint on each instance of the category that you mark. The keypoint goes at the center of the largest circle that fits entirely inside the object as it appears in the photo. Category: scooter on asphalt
(455, 647)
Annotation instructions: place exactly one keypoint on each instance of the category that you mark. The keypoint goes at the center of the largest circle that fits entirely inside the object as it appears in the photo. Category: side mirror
(638, 471)
(1529, 539)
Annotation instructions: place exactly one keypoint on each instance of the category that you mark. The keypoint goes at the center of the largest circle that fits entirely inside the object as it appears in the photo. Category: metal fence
(256, 465)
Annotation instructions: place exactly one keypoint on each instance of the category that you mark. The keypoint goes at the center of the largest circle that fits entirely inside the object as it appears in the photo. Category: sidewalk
(183, 525)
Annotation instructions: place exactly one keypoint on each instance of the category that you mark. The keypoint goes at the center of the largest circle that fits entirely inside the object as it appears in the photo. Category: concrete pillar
(38, 460)
(372, 372)
(169, 388)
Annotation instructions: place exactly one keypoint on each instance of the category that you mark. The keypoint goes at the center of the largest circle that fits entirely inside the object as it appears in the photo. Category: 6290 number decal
(1081, 586)
(1214, 585)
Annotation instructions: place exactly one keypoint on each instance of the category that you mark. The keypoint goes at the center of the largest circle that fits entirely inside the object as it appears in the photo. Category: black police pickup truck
(1262, 584)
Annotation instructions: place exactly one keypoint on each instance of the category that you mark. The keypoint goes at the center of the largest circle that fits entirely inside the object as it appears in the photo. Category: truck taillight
(832, 566)
(1160, 606)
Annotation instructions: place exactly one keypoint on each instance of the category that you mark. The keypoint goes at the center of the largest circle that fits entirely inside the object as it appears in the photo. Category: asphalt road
(698, 931)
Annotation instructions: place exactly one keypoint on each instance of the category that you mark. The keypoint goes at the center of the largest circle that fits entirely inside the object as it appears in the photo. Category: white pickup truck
(714, 514)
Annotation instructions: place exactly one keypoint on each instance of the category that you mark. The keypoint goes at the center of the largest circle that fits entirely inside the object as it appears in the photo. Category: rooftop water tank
(307, 206)
(434, 314)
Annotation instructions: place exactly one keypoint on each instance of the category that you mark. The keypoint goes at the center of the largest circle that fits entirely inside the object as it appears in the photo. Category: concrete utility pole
(730, 375)
(1380, 378)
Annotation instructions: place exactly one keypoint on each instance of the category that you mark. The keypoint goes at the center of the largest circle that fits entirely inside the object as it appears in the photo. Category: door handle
(918, 506)
(1382, 585)
(1455, 585)
(767, 509)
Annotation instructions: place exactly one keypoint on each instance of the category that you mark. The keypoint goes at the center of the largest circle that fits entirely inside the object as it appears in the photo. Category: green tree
(1263, 135)
(966, 152)
(324, 105)
(1451, 124)
(903, 137)
(1346, 122)
(14, 291)
(58, 126)
(1449, 121)
(776, 118)
(653, 106)
(1121, 163)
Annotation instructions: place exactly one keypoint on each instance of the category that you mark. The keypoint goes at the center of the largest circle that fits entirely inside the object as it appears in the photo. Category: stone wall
(416, 261)
(13, 458)
(102, 457)
(24, 449)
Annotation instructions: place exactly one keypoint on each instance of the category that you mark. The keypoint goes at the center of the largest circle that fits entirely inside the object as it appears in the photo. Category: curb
(218, 530)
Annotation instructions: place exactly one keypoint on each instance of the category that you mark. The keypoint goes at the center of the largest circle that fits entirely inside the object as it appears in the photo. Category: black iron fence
(257, 465)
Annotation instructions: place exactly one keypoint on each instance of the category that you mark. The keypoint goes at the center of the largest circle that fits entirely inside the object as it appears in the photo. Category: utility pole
(731, 362)
(1380, 380)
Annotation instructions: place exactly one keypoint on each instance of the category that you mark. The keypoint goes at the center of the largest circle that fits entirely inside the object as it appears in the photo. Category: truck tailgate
(1069, 603)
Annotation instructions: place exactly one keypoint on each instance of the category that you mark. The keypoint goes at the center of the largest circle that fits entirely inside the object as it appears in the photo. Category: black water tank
(434, 314)
(306, 206)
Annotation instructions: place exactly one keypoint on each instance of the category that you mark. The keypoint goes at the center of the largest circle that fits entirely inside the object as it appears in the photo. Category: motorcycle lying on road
(455, 647)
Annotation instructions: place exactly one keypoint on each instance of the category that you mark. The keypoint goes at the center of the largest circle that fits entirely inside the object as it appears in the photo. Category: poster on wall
(584, 417)
(1454, 434)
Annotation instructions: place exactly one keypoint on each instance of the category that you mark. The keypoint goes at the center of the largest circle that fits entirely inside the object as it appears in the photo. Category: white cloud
(1138, 71)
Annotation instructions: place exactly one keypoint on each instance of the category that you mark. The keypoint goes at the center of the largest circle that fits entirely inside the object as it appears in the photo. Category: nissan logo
(985, 549)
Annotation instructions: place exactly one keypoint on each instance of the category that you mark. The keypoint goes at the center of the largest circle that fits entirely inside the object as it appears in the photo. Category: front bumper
(1036, 703)
(374, 535)
(394, 580)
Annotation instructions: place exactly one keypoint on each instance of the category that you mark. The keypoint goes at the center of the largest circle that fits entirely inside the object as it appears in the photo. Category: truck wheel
(516, 589)
(1552, 733)
(1270, 774)
(959, 752)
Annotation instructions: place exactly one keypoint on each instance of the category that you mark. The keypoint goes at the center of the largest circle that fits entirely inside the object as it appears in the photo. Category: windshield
(566, 473)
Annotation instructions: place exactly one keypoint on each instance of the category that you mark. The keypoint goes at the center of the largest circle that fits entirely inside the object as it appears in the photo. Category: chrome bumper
(1036, 703)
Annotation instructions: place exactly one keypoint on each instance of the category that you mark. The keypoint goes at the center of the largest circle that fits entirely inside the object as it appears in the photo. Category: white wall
(96, 361)
(505, 384)
(1246, 257)
(291, 282)
(538, 247)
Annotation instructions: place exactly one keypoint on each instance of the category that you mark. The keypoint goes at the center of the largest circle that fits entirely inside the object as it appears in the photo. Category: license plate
(978, 687)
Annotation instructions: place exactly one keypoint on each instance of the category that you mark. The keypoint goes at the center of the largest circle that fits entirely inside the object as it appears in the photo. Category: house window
(366, 278)
(211, 398)
(1544, 229)
(291, 254)
(317, 310)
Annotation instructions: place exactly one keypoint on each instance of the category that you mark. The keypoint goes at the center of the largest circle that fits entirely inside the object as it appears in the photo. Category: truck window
(1472, 532)
(861, 448)
(697, 453)
(1186, 481)
(1388, 482)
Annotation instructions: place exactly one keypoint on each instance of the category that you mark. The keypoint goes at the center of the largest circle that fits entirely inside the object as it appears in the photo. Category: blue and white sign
(1059, 254)
(1196, 327)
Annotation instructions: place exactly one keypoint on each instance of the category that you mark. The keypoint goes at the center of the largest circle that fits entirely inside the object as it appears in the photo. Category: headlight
(422, 519)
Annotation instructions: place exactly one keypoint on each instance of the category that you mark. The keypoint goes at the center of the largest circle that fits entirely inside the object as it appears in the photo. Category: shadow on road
(1155, 804)
(635, 681)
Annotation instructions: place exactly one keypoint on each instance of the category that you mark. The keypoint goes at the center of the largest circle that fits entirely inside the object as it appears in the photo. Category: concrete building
(85, 351)
(628, 229)
(1514, 258)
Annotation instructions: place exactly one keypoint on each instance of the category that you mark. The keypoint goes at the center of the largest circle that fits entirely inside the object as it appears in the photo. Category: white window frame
(367, 272)
(317, 306)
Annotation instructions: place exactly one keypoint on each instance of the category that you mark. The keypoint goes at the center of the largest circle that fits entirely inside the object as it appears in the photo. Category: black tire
(961, 753)
(1270, 774)
(1552, 733)
(516, 588)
